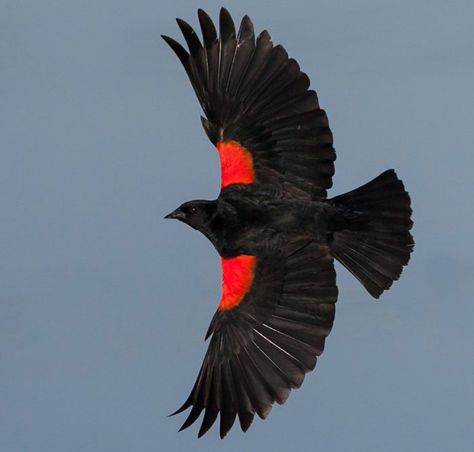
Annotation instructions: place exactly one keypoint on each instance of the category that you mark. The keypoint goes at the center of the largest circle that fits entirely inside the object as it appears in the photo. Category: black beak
(176, 215)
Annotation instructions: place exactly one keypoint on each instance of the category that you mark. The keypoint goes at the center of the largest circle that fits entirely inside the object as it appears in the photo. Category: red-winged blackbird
(275, 230)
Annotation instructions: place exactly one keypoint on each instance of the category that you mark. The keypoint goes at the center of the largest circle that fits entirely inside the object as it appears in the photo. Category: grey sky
(104, 306)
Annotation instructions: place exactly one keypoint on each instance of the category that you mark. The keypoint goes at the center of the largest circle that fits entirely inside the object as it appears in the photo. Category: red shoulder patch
(237, 278)
(236, 163)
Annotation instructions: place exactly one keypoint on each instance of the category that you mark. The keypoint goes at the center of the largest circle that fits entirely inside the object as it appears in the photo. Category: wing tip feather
(177, 48)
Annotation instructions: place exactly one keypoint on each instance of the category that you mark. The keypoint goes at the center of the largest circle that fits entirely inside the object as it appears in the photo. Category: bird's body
(242, 224)
(273, 226)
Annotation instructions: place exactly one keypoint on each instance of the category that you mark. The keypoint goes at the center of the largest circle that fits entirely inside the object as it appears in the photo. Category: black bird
(273, 226)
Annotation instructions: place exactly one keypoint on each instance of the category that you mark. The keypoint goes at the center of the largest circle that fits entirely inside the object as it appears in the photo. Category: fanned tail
(377, 243)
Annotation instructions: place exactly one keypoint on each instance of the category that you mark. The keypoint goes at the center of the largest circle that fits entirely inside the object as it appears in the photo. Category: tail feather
(377, 243)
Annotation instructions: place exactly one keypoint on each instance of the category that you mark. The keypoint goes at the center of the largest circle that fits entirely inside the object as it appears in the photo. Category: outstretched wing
(262, 117)
(275, 313)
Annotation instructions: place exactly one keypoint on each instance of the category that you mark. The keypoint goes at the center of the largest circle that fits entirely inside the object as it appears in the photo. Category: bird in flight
(276, 231)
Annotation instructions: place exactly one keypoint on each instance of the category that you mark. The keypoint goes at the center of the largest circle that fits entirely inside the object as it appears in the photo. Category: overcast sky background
(104, 305)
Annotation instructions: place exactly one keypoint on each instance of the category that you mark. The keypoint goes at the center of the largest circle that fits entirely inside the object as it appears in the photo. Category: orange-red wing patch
(236, 163)
(237, 278)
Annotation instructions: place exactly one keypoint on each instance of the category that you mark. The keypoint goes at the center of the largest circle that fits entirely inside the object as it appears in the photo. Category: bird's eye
(189, 210)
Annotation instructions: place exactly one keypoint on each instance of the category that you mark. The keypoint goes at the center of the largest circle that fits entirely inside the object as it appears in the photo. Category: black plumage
(259, 97)
(272, 224)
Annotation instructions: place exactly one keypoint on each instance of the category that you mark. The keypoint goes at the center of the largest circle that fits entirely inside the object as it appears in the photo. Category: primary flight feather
(273, 226)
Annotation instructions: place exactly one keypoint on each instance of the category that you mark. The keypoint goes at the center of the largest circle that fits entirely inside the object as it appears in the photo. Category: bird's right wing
(275, 313)
(262, 117)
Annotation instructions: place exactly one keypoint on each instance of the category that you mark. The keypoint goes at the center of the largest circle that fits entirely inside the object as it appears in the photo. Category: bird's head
(197, 214)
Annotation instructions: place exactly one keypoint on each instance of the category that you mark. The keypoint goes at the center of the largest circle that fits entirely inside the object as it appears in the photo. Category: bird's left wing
(276, 310)
(260, 113)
